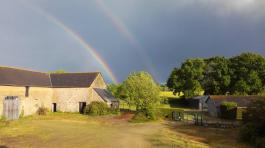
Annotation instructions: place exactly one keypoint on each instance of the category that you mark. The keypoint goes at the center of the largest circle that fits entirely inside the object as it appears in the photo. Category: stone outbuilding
(23, 92)
(214, 102)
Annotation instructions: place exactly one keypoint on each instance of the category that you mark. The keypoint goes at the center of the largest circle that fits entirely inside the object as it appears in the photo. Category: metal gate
(11, 108)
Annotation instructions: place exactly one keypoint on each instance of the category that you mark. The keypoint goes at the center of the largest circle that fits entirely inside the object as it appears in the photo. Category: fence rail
(198, 119)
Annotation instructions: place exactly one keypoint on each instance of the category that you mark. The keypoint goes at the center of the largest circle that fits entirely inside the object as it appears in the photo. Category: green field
(169, 94)
(74, 130)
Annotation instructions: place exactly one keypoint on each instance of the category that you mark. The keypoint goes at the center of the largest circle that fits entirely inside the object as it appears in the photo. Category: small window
(27, 91)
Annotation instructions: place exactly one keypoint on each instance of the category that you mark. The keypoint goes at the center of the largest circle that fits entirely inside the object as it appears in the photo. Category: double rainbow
(77, 38)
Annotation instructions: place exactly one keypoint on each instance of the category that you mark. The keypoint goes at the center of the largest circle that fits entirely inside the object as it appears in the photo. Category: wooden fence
(198, 119)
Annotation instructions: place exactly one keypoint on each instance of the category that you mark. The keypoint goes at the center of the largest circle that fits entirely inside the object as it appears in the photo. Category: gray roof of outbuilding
(105, 95)
(20, 77)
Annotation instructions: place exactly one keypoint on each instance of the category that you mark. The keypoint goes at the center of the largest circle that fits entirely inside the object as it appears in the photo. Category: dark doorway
(82, 106)
(54, 107)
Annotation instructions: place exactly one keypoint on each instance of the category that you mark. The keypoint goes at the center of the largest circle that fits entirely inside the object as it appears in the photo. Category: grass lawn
(74, 130)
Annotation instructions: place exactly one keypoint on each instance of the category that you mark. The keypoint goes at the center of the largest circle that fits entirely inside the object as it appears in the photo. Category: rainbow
(121, 27)
(76, 37)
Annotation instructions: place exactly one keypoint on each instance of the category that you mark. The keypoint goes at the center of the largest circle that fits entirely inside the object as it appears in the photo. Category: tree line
(239, 75)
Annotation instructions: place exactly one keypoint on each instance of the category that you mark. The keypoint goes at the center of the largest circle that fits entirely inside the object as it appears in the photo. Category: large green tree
(242, 75)
(216, 76)
(142, 91)
(247, 73)
(174, 82)
(188, 78)
(115, 89)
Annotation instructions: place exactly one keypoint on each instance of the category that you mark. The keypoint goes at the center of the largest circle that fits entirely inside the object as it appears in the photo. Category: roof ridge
(24, 69)
(48, 73)
(76, 73)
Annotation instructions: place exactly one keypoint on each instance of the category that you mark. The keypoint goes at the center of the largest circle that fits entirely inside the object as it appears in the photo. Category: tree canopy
(142, 90)
(243, 74)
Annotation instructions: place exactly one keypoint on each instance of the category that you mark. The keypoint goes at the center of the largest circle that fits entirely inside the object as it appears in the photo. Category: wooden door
(11, 108)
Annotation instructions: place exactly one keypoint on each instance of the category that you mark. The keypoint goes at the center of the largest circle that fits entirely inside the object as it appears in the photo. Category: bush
(247, 133)
(97, 109)
(253, 129)
(114, 111)
(260, 143)
(145, 115)
(228, 110)
(42, 111)
(140, 117)
(2, 118)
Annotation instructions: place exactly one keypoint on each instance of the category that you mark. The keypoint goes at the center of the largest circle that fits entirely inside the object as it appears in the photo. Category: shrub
(114, 111)
(97, 109)
(247, 133)
(145, 115)
(42, 111)
(228, 110)
(253, 129)
(140, 117)
(260, 143)
(2, 118)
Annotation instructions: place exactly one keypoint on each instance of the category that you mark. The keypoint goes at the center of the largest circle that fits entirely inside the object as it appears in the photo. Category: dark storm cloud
(169, 31)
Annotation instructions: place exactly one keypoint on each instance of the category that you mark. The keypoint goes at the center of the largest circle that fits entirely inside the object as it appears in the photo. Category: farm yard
(75, 130)
(132, 74)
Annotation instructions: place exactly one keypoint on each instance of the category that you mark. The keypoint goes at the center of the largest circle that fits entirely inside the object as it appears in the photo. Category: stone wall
(38, 97)
(99, 82)
(67, 99)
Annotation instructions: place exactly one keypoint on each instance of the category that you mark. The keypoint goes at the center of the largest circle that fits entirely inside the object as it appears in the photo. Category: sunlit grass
(75, 130)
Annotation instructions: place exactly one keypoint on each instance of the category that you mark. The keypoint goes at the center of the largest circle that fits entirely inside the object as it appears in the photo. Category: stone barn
(23, 92)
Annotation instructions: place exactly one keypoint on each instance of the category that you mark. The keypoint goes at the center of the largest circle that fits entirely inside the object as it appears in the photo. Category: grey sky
(168, 31)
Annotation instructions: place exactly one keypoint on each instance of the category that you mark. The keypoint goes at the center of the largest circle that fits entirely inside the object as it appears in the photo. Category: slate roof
(105, 95)
(20, 77)
(242, 101)
(73, 79)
